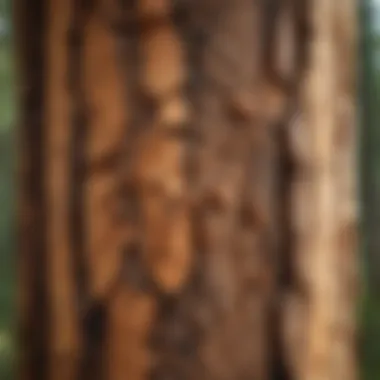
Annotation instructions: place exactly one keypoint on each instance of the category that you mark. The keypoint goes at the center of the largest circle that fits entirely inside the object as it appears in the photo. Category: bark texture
(187, 197)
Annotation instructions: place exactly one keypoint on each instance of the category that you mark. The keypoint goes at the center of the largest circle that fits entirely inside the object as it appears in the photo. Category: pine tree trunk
(187, 198)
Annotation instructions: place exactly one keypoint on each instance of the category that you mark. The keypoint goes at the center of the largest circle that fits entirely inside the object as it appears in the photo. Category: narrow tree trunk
(187, 193)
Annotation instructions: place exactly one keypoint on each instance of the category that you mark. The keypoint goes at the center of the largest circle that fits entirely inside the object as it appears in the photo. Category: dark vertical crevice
(289, 278)
(284, 267)
(194, 23)
(132, 273)
(126, 31)
(271, 10)
(140, 108)
(79, 125)
(285, 277)
(189, 25)
(30, 21)
(303, 33)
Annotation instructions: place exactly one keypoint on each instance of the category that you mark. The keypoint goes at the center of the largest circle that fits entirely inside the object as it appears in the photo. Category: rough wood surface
(64, 333)
(106, 121)
(188, 203)
(328, 209)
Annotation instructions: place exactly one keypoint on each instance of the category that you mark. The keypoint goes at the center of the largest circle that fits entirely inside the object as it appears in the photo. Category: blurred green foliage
(370, 339)
(7, 182)
(369, 101)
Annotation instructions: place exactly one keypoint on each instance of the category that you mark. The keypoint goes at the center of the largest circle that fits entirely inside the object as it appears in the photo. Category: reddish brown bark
(194, 202)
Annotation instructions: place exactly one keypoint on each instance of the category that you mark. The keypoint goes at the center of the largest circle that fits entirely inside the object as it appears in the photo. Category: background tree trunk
(188, 205)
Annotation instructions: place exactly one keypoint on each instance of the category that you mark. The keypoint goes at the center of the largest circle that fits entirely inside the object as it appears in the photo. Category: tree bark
(187, 197)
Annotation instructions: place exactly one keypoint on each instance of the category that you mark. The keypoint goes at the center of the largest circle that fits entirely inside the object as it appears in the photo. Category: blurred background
(7, 187)
(370, 183)
(369, 100)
